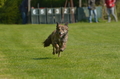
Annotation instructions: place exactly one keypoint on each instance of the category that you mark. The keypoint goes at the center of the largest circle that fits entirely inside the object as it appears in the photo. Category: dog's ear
(57, 24)
(66, 23)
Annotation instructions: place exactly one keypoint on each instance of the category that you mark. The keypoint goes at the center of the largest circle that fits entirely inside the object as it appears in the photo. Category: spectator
(24, 11)
(92, 10)
(110, 4)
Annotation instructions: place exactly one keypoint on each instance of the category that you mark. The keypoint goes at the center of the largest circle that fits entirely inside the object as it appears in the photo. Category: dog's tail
(48, 41)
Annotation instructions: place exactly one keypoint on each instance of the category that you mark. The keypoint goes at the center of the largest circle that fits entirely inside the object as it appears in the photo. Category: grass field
(93, 52)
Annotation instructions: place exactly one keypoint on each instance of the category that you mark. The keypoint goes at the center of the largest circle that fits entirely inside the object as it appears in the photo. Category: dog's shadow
(43, 58)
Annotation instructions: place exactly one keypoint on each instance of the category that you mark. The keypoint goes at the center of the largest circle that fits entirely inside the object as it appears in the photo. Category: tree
(10, 13)
(2, 2)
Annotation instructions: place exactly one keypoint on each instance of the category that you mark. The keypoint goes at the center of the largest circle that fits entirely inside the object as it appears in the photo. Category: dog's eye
(62, 28)
(58, 29)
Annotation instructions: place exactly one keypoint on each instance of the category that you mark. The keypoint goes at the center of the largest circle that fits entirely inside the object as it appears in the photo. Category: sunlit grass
(93, 52)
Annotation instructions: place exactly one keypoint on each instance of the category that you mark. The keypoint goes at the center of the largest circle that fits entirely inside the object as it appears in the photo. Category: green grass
(93, 52)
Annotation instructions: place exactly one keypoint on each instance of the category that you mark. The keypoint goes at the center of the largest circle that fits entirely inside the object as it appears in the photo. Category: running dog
(58, 39)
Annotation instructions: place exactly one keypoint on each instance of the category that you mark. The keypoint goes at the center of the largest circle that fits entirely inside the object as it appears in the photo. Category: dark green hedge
(9, 13)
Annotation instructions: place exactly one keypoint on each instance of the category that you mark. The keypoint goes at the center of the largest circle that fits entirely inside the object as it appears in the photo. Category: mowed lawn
(93, 52)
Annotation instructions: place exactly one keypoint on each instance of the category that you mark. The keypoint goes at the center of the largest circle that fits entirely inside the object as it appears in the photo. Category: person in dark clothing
(92, 10)
(24, 11)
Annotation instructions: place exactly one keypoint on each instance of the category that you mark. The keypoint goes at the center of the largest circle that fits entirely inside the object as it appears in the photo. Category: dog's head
(62, 30)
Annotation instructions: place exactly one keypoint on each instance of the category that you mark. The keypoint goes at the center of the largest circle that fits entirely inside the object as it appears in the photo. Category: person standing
(24, 11)
(92, 10)
(110, 4)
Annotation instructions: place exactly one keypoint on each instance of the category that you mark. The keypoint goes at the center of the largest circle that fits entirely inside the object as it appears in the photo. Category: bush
(9, 13)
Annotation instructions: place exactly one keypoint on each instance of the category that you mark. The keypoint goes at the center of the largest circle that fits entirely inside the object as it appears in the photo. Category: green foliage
(9, 13)
(2, 2)
(93, 52)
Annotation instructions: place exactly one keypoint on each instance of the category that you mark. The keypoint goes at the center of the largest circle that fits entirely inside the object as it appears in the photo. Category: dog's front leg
(54, 50)
(63, 46)
(57, 48)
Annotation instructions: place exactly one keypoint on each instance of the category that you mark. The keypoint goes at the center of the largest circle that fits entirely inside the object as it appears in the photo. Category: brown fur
(58, 39)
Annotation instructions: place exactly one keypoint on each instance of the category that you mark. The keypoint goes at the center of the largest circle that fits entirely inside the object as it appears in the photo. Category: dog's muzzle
(61, 34)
